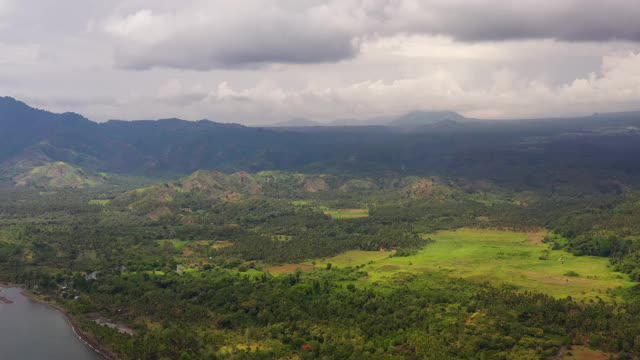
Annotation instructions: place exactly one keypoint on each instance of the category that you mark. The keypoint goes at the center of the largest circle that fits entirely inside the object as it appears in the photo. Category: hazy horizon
(264, 62)
(302, 122)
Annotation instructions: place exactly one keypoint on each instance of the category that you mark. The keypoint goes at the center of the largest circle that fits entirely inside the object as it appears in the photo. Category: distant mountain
(375, 121)
(421, 118)
(592, 150)
(346, 122)
(297, 123)
(31, 137)
(38, 133)
(412, 119)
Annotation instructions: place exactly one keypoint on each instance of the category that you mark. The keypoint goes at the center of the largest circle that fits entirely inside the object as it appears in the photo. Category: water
(33, 331)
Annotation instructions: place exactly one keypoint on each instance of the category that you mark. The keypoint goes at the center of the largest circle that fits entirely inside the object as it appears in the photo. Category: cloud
(615, 87)
(175, 93)
(5, 12)
(268, 60)
(214, 34)
(18, 54)
(499, 20)
(5, 7)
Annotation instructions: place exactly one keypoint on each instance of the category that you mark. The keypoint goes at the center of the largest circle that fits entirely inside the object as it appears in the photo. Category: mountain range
(598, 149)
(411, 120)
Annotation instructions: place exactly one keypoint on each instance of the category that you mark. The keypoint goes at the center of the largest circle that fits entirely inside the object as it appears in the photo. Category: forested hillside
(595, 153)
(175, 240)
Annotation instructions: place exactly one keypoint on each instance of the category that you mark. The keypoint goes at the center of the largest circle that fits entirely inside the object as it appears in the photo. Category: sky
(258, 61)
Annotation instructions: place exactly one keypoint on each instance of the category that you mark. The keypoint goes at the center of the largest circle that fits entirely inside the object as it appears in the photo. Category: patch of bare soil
(536, 237)
(582, 353)
(423, 188)
(289, 268)
(159, 213)
(313, 185)
(221, 244)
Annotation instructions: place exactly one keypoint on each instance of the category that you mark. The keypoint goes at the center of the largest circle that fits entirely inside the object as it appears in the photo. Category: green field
(497, 257)
(351, 258)
(178, 244)
(345, 214)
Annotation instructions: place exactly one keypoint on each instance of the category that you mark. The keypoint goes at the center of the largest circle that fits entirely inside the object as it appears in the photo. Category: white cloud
(5, 7)
(217, 34)
(615, 87)
(18, 54)
(5, 11)
(264, 60)
(244, 34)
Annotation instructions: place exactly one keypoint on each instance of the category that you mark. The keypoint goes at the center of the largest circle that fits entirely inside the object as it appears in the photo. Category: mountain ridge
(581, 148)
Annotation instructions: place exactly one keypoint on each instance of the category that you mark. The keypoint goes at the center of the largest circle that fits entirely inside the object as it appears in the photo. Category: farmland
(345, 214)
(500, 257)
(249, 269)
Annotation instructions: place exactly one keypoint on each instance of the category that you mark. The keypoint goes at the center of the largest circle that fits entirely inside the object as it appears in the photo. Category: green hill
(197, 188)
(572, 155)
(57, 175)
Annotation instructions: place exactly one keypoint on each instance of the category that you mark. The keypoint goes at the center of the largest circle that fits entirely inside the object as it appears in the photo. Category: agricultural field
(346, 214)
(176, 243)
(500, 257)
(584, 353)
(288, 268)
(351, 258)
(232, 262)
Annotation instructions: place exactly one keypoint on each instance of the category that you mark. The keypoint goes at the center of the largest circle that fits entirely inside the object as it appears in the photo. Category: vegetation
(57, 175)
(517, 240)
(338, 214)
(266, 275)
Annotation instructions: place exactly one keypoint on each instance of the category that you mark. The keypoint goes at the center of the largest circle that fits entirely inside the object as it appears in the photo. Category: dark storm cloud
(204, 51)
(565, 20)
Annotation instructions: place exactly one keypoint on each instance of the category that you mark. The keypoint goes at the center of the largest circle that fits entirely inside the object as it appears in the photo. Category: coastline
(73, 322)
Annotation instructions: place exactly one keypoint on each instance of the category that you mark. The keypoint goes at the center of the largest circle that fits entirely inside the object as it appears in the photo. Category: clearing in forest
(351, 258)
(345, 214)
(289, 268)
(584, 353)
(506, 257)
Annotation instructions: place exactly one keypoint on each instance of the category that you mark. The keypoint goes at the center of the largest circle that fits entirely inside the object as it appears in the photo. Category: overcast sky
(259, 61)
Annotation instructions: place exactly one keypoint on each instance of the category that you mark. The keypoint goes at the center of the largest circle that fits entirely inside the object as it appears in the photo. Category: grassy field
(507, 257)
(584, 353)
(351, 258)
(348, 258)
(498, 257)
(288, 268)
(178, 244)
(181, 244)
(345, 214)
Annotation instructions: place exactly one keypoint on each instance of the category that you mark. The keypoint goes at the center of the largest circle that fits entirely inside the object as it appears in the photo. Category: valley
(320, 180)
(338, 251)
(499, 257)
(279, 248)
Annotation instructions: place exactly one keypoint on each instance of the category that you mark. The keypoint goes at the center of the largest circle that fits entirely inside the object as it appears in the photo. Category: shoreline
(73, 323)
